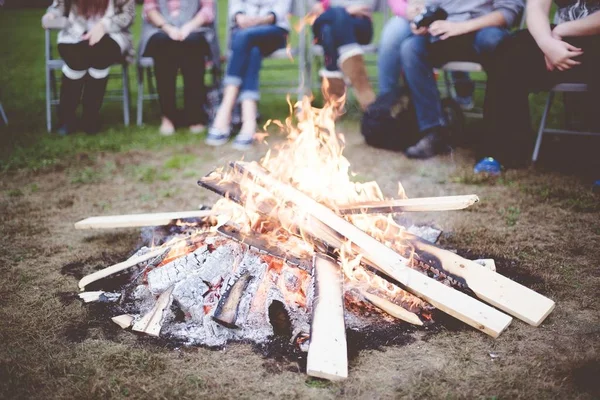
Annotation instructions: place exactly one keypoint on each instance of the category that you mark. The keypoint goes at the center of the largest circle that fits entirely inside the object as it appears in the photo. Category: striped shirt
(206, 8)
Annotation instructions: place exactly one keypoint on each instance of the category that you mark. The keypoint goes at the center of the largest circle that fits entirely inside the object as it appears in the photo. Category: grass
(24, 143)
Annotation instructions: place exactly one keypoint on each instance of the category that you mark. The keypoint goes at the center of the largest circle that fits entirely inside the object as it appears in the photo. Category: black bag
(391, 122)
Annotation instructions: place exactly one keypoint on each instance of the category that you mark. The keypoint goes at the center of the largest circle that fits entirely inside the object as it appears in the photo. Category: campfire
(297, 248)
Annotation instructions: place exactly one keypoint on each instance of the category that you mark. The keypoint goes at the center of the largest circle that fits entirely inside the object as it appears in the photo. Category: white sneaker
(216, 137)
(197, 129)
(166, 129)
(243, 141)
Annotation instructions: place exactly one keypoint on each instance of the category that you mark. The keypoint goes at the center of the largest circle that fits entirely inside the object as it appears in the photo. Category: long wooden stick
(443, 203)
(496, 289)
(327, 352)
(453, 302)
(103, 273)
(394, 310)
(139, 220)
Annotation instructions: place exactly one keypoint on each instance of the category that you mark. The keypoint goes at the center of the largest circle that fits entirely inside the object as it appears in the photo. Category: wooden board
(139, 220)
(386, 260)
(328, 352)
(394, 310)
(444, 203)
(488, 285)
(226, 312)
(151, 323)
(103, 273)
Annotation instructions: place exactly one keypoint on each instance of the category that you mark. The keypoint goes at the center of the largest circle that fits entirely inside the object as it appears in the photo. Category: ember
(296, 246)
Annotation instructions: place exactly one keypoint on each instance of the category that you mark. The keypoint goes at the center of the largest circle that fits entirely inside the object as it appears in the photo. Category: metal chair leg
(48, 101)
(3, 115)
(538, 142)
(126, 94)
(448, 84)
(140, 95)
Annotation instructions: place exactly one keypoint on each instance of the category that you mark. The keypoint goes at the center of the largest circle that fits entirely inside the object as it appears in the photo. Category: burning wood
(444, 203)
(226, 312)
(140, 220)
(455, 303)
(327, 351)
(393, 309)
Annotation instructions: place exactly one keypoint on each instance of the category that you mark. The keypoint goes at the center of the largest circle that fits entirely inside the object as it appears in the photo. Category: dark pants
(420, 54)
(81, 56)
(517, 69)
(88, 69)
(169, 57)
(336, 30)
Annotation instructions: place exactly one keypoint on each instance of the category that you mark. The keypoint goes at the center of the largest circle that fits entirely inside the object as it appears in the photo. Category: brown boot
(353, 67)
(333, 88)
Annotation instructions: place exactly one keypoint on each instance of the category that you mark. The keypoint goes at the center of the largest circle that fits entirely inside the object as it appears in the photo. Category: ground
(541, 225)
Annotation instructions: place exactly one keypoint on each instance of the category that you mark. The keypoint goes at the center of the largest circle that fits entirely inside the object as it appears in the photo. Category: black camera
(429, 15)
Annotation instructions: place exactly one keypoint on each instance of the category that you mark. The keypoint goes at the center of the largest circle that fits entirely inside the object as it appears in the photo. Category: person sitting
(536, 59)
(394, 32)
(341, 27)
(472, 32)
(96, 36)
(172, 35)
(260, 27)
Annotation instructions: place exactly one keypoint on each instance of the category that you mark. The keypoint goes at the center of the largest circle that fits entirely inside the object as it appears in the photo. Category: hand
(47, 17)
(418, 31)
(447, 29)
(359, 11)
(173, 32)
(95, 34)
(559, 54)
(413, 10)
(186, 29)
(244, 21)
(317, 9)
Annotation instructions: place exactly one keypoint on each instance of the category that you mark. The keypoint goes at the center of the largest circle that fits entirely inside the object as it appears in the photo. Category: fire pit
(297, 248)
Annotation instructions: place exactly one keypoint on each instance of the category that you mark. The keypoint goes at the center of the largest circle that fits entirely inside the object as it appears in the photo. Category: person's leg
(76, 65)
(335, 87)
(102, 55)
(249, 91)
(396, 30)
(194, 52)
(164, 52)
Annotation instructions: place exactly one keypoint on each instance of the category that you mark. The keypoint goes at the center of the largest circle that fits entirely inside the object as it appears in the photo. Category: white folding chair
(298, 9)
(145, 66)
(316, 51)
(54, 64)
(564, 88)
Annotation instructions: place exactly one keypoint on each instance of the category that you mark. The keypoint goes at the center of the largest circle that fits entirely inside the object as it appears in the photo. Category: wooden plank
(444, 203)
(124, 321)
(86, 280)
(139, 220)
(386, 260)
(394, 310)
(488, 285)
(226, 312)
(328, 352)
(151, 323)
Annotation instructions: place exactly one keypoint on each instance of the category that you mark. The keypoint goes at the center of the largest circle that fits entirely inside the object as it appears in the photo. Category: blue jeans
(395, 31)
(248, 47)
(420, 54)
(339, 32)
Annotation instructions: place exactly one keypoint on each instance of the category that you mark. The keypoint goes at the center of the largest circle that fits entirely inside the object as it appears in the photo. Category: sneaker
(216, 137)
(166, 129)
(197, 129)
(431, 145)
(243, 141)
(488, 166)
(466, 103)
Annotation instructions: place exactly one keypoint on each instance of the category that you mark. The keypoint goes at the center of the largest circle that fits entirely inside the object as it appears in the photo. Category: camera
(429, 15)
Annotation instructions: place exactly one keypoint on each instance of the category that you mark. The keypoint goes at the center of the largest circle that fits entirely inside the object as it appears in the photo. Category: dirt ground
(542, 228)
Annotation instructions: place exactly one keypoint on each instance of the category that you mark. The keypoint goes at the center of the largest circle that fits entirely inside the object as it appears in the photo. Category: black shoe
(432, 144)
(93, 97)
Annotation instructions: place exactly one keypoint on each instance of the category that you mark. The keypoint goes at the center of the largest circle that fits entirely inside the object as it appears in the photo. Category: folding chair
(145, 66)
(298, 8)
(564, 88)
(316, 51)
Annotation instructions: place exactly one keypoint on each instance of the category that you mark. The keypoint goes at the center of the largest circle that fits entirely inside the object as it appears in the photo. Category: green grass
(25, 144)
